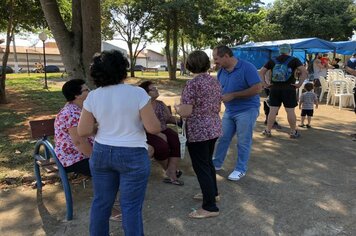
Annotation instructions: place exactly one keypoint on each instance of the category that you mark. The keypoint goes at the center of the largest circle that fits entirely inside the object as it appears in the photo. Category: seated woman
(165, 144)
(72, 150)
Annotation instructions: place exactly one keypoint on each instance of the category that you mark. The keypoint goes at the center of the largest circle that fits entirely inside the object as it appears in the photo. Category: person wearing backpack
(283, 87)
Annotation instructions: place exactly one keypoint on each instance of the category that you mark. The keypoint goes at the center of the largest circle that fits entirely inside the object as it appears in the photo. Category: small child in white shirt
(306, 103)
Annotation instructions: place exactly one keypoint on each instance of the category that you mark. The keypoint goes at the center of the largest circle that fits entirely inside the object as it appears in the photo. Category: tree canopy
(325, 19)
(16, 16)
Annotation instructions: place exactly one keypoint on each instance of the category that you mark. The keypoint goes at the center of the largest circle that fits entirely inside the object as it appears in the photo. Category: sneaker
(266, 133)
(218, 168)
(236, 175)
(302, 125)
(295, 134)
(308, 126)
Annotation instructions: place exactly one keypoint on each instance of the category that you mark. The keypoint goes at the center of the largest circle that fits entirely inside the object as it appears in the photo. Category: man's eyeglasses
(152, 89)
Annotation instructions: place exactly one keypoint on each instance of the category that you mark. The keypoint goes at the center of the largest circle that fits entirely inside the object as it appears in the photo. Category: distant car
(161, 67)
(52, 69)
(139, 68)
(8, 70)
(49, 69)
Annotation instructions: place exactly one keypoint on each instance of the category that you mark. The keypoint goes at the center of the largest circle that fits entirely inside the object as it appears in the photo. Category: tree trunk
(78, 46)
(9, 34)
(91, 23)
(175, 47)
(183, 72)
(132, 59)
(168, 51)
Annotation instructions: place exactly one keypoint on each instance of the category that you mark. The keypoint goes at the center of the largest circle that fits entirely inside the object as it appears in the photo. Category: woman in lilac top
(166, 143)
(201, 99)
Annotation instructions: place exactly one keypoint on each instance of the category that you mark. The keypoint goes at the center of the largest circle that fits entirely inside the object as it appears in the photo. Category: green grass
(28, 100)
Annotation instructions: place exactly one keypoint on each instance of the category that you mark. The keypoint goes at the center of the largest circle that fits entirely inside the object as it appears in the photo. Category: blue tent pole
(305, 56)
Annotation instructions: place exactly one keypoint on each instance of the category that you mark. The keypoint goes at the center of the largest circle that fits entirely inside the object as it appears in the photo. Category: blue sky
(267, 1)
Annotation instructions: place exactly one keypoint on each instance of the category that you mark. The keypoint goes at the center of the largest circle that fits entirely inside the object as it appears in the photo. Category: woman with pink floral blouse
(200, 104)
(72, 151)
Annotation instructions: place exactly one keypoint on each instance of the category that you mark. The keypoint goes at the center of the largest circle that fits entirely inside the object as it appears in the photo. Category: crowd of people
(107, 133)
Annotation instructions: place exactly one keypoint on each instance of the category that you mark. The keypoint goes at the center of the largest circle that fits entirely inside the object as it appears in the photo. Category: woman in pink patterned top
(72, 151)
(201, 100)
(166, 143)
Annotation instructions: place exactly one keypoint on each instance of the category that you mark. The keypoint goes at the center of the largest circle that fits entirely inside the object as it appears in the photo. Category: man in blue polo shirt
(241, 86)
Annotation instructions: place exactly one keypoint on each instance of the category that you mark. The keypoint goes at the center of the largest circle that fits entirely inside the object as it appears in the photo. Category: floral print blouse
(162, 114)
(65, 149)
(204, 93)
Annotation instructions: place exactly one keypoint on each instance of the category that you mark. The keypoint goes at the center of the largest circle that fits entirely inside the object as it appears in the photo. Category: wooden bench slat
(47, 162)
(50, 168)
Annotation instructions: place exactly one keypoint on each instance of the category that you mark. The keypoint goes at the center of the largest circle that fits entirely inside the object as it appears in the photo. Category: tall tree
(326, 19)
(16, 15)
(264, 30)
(78, 42)
(131, 20)
(230, 22)
(174, 19)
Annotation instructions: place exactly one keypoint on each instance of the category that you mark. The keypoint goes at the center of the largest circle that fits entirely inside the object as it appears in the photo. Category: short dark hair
(108, 68)
(309, 86)
(198, 62)
(221, 50)
(145, 85)
(72, 88)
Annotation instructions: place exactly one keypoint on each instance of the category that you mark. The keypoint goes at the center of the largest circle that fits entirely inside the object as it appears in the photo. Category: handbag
(182, 138)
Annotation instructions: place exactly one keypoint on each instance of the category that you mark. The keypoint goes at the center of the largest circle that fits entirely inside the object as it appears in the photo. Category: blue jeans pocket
(96, 159)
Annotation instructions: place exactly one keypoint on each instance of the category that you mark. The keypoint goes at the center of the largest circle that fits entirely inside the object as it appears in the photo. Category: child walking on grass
(306, 103)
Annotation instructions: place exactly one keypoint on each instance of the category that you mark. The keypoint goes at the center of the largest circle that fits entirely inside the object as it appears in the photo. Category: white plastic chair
(324, 87)
(340, 91)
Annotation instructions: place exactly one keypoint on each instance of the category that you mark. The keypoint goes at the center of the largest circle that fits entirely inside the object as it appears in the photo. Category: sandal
(179, 173)
(201, 214)
(117, 218)
(174, 182)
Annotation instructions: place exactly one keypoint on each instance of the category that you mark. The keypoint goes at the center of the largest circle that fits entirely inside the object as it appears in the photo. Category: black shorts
(307, 113)
(81, 167)
(283, 94)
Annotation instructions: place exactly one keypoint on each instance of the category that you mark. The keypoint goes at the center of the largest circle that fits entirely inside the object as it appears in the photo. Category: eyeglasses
(152, 89)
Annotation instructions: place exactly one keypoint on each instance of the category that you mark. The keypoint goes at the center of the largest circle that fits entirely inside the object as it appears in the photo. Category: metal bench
(45, 157)
(153, 70)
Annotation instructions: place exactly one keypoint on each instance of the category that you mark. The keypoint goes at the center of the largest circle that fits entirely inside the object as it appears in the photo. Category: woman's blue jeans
(242, 124)
(112, 167)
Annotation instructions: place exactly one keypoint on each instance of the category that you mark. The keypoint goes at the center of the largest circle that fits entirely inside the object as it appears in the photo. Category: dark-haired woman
(120, 158)
(72, 150)
(201, 101)
(166, 143)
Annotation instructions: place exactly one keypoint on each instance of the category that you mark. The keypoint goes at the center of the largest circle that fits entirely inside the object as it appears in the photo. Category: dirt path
(293, 187)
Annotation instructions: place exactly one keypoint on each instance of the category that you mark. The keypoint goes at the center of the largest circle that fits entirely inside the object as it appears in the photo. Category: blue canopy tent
(345, 47)
(259, 53)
